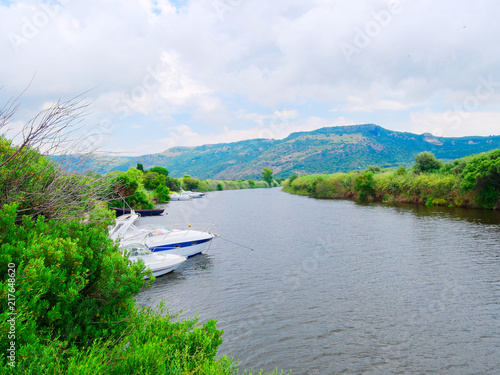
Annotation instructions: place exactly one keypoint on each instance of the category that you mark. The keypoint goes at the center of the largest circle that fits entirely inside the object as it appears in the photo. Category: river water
(334, 287)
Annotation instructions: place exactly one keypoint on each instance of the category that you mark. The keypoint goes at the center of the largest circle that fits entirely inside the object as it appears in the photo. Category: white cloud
(156, 65)
(456, 124)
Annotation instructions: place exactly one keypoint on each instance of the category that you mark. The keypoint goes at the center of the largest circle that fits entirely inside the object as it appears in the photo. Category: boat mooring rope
(236, 243)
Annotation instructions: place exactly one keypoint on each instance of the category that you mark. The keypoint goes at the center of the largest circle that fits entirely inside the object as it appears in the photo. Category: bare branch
(54, 186)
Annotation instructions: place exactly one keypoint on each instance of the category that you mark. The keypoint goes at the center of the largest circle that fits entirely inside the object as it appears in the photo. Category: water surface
(333, 287)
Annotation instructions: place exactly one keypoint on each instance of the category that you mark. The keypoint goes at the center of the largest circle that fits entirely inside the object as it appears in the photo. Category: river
(333, 287)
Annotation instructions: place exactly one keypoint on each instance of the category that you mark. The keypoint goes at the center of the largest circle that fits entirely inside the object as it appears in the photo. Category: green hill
(326, 150)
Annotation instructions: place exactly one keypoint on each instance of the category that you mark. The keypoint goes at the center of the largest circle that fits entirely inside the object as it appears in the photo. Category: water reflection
(479, 216)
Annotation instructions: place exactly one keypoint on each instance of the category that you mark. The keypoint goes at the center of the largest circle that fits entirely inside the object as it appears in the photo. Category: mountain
(326, 150)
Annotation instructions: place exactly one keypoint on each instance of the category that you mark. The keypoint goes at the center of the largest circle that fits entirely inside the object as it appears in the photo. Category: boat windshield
(136, 249)
(154, 230)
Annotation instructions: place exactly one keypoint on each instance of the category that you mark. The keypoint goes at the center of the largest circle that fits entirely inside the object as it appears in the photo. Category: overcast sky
(190, 72)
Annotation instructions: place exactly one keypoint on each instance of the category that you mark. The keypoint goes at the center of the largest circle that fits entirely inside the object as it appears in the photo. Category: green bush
(482, 175)
(38, 185)
(72, 282)
(129, 186)
(190, 183)
(162, 194)
(174, 184)
(152, 180)
(364, 184)
(426, 162)
(160, 170)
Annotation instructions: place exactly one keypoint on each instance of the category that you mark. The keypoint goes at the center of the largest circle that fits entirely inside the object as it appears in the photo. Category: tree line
(142, 188)
(472, 181)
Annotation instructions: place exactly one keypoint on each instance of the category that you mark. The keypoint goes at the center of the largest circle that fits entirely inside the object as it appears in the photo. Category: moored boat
(142, 212)
(192, 194)
(187, 242)
(179, 197)
(159, 263)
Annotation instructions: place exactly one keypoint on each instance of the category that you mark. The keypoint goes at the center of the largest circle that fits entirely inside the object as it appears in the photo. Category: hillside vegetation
(326, 150)
(473, 181)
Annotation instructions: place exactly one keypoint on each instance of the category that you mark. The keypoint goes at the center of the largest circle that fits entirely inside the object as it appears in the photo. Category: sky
(165, 73)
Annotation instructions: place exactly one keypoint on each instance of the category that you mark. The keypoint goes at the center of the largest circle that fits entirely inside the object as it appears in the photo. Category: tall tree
(267, 175)
(160, 170)
(426, 161)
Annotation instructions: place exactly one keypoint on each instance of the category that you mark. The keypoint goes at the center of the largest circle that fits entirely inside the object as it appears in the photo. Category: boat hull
(142, 212)
(179, 197)
(160, 264)
(184, 248)
(159, 270)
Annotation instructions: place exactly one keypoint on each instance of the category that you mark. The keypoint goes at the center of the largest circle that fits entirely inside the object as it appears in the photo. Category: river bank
(471, 182)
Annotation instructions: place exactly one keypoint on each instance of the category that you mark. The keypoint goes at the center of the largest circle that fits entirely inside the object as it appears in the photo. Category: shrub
(152, 180)
(482, 175)
(162, 194)
(292, 178)
(426, 162)
(401, 171)
(160, 170)
(364, 184)
(190, 183)
(72, 282)
(174, 184)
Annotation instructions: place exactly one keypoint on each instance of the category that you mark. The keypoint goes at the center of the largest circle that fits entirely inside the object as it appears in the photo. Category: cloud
(455, 124)
(226, 72)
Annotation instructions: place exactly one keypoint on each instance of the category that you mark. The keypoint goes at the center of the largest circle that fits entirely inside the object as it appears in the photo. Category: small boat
(172, 241)
(142, 212)
(179, 197)
(192, 194)
(159, 263)
(195, 194)
(185, 242)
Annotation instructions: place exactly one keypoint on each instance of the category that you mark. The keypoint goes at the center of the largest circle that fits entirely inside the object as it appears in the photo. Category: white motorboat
(122, 225)
(179, 197)
(192, 194)
(185, 242)
(173, 241)
(195, 194)
(159, 263)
